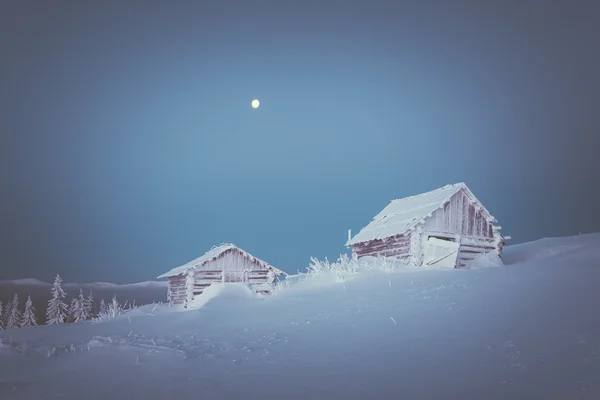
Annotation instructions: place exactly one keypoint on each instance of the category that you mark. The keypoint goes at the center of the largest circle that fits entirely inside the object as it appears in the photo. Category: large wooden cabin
(447, 227)
(224, 263)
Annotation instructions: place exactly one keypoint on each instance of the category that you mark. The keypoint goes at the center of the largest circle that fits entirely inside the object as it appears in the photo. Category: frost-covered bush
(113, 310)
(346, 265)
(343, 265)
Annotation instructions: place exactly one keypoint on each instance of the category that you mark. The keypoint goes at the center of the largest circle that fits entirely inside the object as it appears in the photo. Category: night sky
(128, 145)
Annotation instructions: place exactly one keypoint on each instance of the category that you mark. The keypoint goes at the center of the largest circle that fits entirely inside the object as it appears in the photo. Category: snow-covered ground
(530, 330)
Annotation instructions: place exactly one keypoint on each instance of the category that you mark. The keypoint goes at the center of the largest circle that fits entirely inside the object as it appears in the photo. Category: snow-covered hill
(530, 330)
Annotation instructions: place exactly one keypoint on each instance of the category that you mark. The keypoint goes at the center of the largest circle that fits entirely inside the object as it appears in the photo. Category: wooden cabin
(224, 263)
(447, 227)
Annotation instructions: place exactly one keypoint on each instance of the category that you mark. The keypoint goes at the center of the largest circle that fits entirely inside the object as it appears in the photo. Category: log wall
(460, 219)
(231, 266)
(473, 248)
(176, 293)
(397, 247)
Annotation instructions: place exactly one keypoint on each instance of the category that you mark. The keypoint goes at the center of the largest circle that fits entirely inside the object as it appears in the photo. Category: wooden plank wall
(205, 278)
(397, 247)
(459, 217)
(471, 249)
(231, 266)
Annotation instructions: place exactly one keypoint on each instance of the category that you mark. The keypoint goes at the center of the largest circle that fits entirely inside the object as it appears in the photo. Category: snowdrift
(529, 330)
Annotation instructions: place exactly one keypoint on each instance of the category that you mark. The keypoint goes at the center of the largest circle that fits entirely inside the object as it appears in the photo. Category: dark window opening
(448, 239)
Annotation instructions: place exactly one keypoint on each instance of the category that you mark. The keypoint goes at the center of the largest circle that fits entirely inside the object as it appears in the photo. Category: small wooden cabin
(224, 263)
(447, 227)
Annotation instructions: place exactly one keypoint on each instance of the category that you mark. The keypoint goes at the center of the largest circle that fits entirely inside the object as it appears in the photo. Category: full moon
(255, 103)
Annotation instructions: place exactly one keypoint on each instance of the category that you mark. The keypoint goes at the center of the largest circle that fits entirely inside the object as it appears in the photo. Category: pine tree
(103, 307)
(14, 315)
(7, 309)
(57, 310)
(89, 304)
(29, 314)
(1, 316)
(78, 311)
(71, 311)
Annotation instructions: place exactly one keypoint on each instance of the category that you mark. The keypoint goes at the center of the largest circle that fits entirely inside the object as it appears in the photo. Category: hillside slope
(527, 330)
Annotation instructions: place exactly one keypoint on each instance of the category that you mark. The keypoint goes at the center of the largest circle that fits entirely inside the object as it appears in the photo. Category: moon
(255, 103)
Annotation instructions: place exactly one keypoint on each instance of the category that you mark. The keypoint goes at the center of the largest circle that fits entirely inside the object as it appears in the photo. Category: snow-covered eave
(183, 269)
(485, 211)
(411, 227)
(169, 274)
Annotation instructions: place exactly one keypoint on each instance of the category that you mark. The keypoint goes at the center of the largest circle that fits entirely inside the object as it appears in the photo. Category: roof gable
(214, 253)
(403, 215)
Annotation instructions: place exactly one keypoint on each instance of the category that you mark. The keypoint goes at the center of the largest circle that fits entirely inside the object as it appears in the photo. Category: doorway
(441, 253)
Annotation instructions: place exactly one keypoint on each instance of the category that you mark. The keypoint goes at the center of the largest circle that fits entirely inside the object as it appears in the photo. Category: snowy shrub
(1, 316)
(112, 310)
(56, 313)
(343, 265)
(346, 265)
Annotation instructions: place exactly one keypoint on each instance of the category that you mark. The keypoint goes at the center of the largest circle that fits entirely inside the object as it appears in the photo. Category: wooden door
(440, 253)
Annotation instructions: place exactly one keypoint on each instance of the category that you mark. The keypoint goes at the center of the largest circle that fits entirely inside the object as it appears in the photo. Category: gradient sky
(128, 145)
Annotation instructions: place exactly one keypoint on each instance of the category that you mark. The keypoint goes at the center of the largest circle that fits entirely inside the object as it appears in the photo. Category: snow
(210, 255)
(402, 215)
(528, 330)
(236, 291)
(488, 260)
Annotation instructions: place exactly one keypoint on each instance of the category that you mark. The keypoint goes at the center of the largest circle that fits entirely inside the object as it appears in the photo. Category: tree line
(57, 310)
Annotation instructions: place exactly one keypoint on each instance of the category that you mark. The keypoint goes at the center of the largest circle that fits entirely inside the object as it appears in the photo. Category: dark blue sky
(128, 145)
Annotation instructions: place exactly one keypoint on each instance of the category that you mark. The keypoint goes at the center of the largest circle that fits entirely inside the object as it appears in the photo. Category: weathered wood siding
(460, 217)
(230, 266)
(467, 224)
(473, 248)
(177, 290)
(459, 220)
(397, 247)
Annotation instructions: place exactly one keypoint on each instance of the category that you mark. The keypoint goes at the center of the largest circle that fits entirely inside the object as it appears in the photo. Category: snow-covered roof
(403, 215)
(212, 254)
